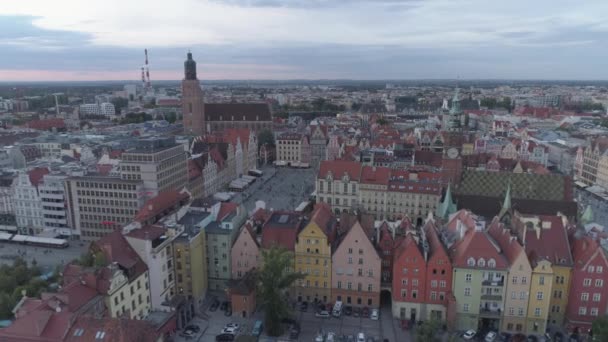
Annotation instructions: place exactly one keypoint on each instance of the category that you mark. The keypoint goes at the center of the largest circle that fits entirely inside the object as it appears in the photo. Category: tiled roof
(323, 217)
(487, 206)
(147, 233)
(375, 175)
(226, 208)
(113, 329)
(477, 244)
(523, 185)
(584, 249)
(116, 249)
(159, 204)
(236, 112)
(281, 229)
(549, 241)
(46, 124)
(338, 168)
(36, 175)
(508, 243)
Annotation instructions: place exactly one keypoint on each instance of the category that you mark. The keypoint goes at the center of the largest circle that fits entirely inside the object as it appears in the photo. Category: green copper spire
(506, 204)
(456, 103)
(587, 215)
(447, 207)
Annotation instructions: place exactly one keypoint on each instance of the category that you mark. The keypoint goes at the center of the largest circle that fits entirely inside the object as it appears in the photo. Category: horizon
(70, 40)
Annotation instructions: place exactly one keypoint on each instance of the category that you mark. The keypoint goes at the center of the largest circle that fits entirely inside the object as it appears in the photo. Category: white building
(52, 197)
(153, 244)
(107, 109)
(26, 200)
(6, 193)
(131, 91)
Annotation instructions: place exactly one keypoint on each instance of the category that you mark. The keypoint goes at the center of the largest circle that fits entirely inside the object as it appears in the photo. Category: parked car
(532, 338)
(558, 337)
(350, 338)
(348, 310)
(320, 337)
(360, 337)
(304, 306)
(490, 336)
(229, 330)
(375, 315)
(232, 325)
(224, 338)
(214, 305)
(505, 336)
(323, 314)
(224, 306)
(258, 327)
(365, 312)
(370, 339)
(228, 311)
(469, 334)
(331, 337)
(356, 312)
(294, 331)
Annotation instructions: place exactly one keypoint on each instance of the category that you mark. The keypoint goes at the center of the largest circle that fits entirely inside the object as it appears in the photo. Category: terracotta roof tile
(116, 249)
(37, 174)
(281, 229)
(161, 203)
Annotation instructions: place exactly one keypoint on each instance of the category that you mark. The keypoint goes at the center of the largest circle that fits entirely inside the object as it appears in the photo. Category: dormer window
(481, 262)
(471, 262)
(491, 263)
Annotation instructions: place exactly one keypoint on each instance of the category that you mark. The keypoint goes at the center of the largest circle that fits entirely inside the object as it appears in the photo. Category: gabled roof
(338, 168)
(113, 329)
(375, 175)
(159, 204)
(324, 219)
(548, 241)
(409, 245)
(585, 249)
(436, 247)
(116, 249)
(477, 244)
(508, 243)
(281, 229)
(226, 208)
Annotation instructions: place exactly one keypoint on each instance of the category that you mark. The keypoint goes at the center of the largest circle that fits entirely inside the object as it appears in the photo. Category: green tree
(382, 122)
(428, 331)
(265, 137)
(171, 117)
(119, 103)
(600, 329)
(274, 278)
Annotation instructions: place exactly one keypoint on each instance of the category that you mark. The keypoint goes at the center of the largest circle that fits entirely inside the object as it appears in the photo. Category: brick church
(200, 118)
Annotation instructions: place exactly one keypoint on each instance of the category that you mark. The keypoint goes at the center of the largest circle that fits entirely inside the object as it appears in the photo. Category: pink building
(356, 268)
(245, 252)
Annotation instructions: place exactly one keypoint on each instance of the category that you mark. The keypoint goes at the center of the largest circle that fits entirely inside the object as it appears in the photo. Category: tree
(119, 103)
(428, 331)
(382, 122)
(171, 117)
(274, 278)
(265, 137)
(599, 328)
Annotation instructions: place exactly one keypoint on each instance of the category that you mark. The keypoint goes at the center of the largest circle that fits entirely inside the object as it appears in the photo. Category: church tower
(193, 106)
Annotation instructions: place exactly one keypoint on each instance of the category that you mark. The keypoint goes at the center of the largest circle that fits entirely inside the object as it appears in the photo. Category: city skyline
(275, 39)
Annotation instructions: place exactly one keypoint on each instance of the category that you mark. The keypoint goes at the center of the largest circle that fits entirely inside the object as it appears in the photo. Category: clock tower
(451, 167)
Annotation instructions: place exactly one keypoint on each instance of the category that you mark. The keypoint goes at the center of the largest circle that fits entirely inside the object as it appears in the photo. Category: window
(414, 294)
(415, 282)
(491, 263)
(582, 310)
(511, 311)
(465, 307)
(584, 296)
(404, 281)
(433, 295)
(467, 291)
(370, 288)
(481, 262)
(442, 284)
(587, 282)
(539, 295)
(522, 295)
(433, 283)
(350, 285)
(591, 269)
(513, 295)
(471, 262)
(599, 269)
(594, 311)
(599, 283)
(537, 312)
(468, 277)
(541, 280)
(339, 284)
(350, 260)
(514, 280)
(520, 311)
(360, 272)
(350, 251)
(524, 280)
(596, 297)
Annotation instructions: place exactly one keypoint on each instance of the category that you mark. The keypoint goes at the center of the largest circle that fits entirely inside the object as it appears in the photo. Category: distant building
(53, 200)
(201, 118)
(293, 148)
(107, 109)
(27, 203)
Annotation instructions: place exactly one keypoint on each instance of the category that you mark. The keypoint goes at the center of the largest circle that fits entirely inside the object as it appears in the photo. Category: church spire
(447, 207)
(506, 204)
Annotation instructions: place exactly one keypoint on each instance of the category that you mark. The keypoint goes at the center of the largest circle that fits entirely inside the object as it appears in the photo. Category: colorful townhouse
(515, 316)
(546, 238)
(356, 269)
(587, 299)
(245, 252)
(409, 278)
(478, 283)
(386, 246)
(438, 275)
(313, 251)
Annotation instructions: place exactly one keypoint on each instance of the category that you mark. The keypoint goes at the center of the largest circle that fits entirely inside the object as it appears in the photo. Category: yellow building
(313, 255)
(190, 264)
(540, 296)
(560, 291)
(128, 298)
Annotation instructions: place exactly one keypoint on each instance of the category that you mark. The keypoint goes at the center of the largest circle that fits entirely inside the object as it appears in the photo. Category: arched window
(492, 263)
(481, 262)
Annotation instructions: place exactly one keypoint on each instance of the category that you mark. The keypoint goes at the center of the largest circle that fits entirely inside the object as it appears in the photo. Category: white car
(331, 337)
(232, 325)
(469, 334)
(231, 331)
(360, 337)
(323, 314)
(375, 315)
(319, 337)
(490, 337)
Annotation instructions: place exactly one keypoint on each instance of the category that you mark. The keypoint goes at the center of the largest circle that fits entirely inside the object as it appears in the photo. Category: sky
(75, 40)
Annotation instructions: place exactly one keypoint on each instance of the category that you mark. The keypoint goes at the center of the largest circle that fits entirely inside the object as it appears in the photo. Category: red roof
(46, 124)
(148, 233)
(161, 203)
(549, 241)
(477, 244)
(114, 329)
(323, 217)
(508, 243)
(375, 175)
(225, 209)
(339, 168)
(116, 249)
(37, 174)
(585, 249)
(281, 229)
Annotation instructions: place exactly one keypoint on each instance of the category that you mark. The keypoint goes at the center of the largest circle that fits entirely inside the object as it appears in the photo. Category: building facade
(27, 203)
(53, 200)
(356, 266)
(245, 252)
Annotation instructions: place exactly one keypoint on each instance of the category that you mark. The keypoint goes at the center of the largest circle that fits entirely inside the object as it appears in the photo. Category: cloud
(306, 38)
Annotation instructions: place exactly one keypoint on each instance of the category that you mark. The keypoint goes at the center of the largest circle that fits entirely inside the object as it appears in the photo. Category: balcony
(490, 313)
(493, 297)
(492, 282)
